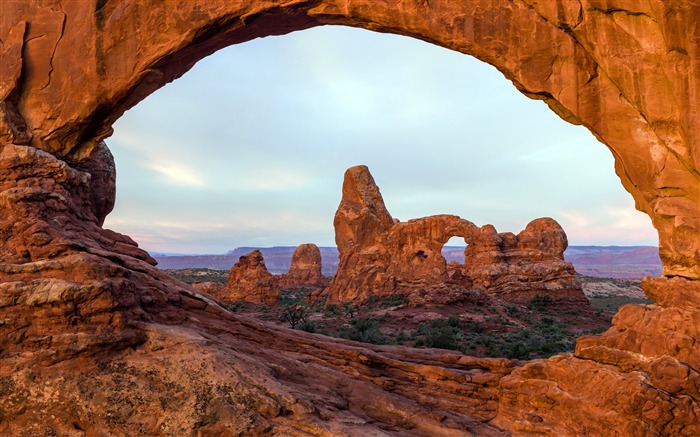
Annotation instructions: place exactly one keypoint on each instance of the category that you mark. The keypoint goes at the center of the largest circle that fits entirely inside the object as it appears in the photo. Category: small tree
(295, 314)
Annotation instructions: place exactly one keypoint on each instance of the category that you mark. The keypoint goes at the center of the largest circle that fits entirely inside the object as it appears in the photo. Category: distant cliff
(629, 262)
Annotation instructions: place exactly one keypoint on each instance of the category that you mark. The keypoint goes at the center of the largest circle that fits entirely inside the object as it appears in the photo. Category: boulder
(210, 287)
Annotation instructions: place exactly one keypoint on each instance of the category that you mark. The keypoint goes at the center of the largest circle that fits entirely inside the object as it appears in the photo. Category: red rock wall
(519, 267)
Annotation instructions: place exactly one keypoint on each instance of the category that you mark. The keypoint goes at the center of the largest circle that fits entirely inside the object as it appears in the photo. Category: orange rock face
(250, 281)
(519, 267)
(305, 270)
(380, 257)
(135, 352)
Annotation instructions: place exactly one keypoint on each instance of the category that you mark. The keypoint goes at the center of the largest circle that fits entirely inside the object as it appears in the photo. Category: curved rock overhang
(628, 72)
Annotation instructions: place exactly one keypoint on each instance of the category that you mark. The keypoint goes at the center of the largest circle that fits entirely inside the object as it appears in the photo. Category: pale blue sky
(250, 146)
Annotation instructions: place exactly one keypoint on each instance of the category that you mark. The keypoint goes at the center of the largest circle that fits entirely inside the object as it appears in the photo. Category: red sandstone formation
(250, 281)
(305, 270)
(379, 257)
(134, 352)
(518, 267)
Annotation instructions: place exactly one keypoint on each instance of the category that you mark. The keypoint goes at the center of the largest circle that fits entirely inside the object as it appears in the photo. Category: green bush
(350, 309)
(236, 306)
(367, 330)
(475, 327)
(332, 310)
(540, 302)
(308, 326)
(394, 300)
(440, 333)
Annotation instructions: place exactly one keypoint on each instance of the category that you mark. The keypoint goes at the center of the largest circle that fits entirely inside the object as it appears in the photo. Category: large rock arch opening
(575, 57)
(78, 296)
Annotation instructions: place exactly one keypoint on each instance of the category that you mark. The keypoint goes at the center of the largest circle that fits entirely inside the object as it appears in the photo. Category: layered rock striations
(94, 339)
(134, 352)
(385, 257)
(304, 271)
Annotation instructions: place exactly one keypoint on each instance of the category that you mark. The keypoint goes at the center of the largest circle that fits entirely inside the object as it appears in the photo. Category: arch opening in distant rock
(453, 250)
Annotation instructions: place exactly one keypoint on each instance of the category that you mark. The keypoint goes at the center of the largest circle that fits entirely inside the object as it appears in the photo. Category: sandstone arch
(74, 294)
(577, 57)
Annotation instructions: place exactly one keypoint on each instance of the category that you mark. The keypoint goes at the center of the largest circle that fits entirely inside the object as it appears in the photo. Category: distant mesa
(380, 256)
(622, 262)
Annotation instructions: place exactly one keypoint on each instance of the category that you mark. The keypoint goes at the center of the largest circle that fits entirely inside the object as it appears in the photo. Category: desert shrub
(512, 310)
(548, 321)
(236, 306)
(350, 309)
(475, 327)
(454, 321)
(367, 330)
(308, 326)
(332, 310)
(394, 300)
(544, 339)
(440, 333)
(540, 302)
(292, 297)
(198, 275)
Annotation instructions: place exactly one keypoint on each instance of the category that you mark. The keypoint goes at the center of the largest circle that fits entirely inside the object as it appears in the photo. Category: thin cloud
(250, 147)
(178, 174)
